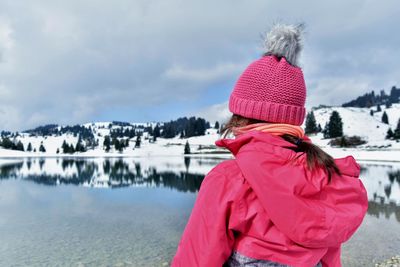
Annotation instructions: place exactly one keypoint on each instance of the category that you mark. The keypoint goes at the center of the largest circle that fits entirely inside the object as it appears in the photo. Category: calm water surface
(131, 212)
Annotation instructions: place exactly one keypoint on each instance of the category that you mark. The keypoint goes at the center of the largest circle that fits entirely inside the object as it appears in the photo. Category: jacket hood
(301, 203)
(275, 144)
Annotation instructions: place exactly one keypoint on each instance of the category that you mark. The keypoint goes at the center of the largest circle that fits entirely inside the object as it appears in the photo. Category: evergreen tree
(20, 146)
(169, 130)
(79, 147)
(319, 128)
(396, 134)
(122, 145)
(389, 134)
(378, 108)
(216, 126)
(200, 127)
(65, 147)
(394, 95)
(7, 143)
(187, 148)
(29, 148)
(132, 133)
(71, 149)
(42, 148)
(311, 123)
(138, 141)
(189, 129)
(335, 125)
(325, 131)
(371, 112)
(156, 132)
(150, 130)
(107, 143)
(117, 145)
(385, 118)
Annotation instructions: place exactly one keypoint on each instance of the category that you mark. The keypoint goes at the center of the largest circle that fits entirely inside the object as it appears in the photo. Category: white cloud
(6, 42)
(212, 74)
(10, 117)
(334, 91)
(217, 112)
(66, 61)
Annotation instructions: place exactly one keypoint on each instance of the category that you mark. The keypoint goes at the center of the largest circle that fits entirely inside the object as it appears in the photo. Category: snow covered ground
(356, 121)
(162, 147)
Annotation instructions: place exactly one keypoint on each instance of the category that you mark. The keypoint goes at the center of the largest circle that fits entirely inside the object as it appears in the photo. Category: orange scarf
(272, 128)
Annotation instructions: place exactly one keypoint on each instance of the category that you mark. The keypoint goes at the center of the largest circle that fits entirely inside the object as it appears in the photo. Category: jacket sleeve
(208, 237)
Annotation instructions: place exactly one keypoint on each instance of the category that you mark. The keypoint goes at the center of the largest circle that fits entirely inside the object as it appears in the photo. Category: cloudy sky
(154, 60)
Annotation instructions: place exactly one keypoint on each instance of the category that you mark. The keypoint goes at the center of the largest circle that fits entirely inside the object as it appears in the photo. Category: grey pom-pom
(285, 41)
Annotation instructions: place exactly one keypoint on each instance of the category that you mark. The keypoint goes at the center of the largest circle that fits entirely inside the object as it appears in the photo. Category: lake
(132, 211)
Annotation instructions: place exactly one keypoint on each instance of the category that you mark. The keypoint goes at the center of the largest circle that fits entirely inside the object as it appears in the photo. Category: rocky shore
(392, 262)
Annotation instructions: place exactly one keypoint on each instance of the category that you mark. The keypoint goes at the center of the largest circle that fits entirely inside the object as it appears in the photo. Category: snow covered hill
(359, 122)
(356, 121)
(161, 147)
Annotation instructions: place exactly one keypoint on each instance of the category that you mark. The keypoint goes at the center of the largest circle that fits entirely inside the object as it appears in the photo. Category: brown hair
(316, 157)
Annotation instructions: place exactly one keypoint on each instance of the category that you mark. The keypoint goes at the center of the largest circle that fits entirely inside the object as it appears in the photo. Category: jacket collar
(234, 145)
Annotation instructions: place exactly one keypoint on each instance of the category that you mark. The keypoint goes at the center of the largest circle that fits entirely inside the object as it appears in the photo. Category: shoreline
(361, 159)
(176, 150)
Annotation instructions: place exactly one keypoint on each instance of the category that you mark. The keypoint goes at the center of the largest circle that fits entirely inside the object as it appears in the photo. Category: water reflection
(110, 173)
(181, 174)
(383, 186)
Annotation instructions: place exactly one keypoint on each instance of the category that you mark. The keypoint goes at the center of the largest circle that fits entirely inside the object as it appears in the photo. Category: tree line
(120, 135)
(371, 99)
(185, 127)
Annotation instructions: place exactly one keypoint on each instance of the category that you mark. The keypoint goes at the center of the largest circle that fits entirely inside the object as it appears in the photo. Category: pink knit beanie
(272, 88)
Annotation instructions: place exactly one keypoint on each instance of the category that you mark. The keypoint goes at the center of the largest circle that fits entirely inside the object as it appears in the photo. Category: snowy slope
(162, 147)
(356, 121)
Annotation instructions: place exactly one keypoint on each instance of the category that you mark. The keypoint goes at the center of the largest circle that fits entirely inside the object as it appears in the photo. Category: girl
(281, 201)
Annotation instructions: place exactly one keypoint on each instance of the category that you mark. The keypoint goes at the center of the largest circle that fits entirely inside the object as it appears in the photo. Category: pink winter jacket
(265, 204)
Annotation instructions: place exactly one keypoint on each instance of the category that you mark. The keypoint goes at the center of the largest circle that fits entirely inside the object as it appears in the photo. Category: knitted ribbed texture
(271, 90)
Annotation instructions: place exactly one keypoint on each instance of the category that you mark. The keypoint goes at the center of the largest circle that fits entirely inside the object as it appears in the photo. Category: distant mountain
(371, 99)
